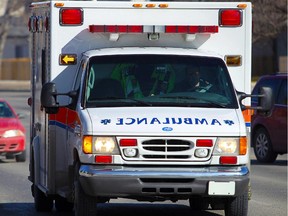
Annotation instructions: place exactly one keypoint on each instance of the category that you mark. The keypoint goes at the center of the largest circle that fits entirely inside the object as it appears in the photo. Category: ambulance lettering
(168, 121)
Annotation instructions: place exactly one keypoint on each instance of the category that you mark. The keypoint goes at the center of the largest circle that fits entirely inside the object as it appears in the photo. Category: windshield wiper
(215, 104)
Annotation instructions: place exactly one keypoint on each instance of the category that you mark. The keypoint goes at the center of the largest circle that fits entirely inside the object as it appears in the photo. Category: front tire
(41, 201)
(62, 205)
(198, 204)
(21, 157)
(263, 148)
(84, 205)
(237, 206)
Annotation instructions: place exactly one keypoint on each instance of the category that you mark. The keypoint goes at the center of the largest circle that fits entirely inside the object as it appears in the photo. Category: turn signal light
(243, 146)
(67, 59)
(87, 144)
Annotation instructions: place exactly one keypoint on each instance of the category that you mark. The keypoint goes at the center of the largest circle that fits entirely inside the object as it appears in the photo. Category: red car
(269, 129)
(12, 133)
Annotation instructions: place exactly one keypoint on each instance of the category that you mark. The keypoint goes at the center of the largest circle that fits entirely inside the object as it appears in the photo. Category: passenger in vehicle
(193, 81)
(125, 73)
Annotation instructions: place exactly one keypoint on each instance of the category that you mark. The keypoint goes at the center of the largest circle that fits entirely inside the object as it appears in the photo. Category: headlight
(13, 133)
(101, 145)
(227, 146)
(104, 145)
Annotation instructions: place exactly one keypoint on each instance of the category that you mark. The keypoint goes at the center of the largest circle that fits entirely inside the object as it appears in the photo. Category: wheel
(21, 157)
(263, 149)
(84, 205)
(237, 206)
(42, 202)
(198, 204)
(9, 156)
(61, 204)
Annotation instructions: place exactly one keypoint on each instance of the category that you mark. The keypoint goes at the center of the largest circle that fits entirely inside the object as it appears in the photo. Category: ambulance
(140, 100)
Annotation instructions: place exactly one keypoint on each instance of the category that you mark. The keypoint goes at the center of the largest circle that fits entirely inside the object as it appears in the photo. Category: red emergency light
(128, 142)
(230, 17)
(140, 29)
(204, 143)
(71, 16)
(191, 29)
(115, 29)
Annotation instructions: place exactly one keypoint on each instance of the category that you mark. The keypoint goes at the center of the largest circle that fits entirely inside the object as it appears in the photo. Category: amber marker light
(150, 5)
(137, 5)
(233, 60)
(87, 144)
(243, 146)
(242, 6)
(163, 6)
(58, 4)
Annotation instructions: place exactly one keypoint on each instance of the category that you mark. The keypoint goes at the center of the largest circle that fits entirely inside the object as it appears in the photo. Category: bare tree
(269, 19)
(9, 10)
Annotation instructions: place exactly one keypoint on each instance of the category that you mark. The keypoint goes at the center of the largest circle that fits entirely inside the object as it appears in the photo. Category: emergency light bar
(191, 29)
(227, 17)
(115, 29)
(151, 29)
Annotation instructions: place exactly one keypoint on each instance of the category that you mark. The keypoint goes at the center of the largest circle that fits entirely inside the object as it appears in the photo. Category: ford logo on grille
(167, 129)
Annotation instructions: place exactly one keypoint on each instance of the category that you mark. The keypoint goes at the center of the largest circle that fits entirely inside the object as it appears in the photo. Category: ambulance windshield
(158, 80)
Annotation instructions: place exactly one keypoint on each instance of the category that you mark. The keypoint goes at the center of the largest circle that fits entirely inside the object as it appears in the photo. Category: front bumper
(12, 144)
(161, 182)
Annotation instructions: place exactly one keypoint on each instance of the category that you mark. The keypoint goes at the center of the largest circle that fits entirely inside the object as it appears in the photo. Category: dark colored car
(269, 129)
(12, 133)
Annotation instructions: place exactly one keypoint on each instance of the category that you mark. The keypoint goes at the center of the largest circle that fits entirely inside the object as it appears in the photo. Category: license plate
(221, 188)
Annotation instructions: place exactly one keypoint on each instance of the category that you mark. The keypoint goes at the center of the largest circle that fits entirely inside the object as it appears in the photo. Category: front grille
(13, 146)
(164, 145)
(5, 147)
(166, 149)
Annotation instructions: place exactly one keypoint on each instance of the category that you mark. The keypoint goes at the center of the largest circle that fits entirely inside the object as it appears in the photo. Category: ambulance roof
(149, 50)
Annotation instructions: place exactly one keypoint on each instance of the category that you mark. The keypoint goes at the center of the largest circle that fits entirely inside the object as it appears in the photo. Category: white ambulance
(140, 100)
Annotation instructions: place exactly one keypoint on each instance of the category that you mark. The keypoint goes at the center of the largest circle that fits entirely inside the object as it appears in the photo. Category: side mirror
(264, 102)
(48, 95)
(49, 98)
(265, 99)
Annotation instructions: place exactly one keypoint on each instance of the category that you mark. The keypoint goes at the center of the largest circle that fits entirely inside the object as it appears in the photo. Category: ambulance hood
(165, 121)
